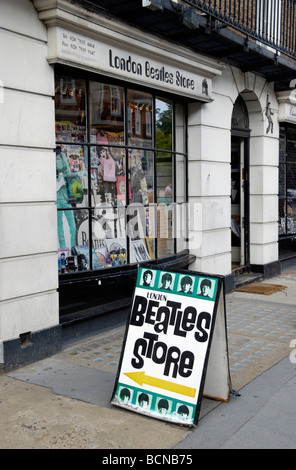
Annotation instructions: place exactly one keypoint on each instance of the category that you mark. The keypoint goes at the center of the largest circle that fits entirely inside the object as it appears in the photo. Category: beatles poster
(167, 344)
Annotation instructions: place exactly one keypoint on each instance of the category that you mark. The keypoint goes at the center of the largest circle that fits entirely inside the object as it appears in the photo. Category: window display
(287, 182)
(107, 175)
(139, 110)
(70, 110)
(141, 178)
(106, 114)
(116, 171)
(164, 124)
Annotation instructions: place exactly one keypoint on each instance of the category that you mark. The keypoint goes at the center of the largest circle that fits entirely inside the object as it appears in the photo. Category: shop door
(239, 199)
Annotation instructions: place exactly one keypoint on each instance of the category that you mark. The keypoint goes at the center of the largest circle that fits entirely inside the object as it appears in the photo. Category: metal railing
(270, 22)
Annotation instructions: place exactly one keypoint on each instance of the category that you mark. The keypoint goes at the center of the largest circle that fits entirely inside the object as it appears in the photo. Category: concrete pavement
(263, 417)
(63, 402)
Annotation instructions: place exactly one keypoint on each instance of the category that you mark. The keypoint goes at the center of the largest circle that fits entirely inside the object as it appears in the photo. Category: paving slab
(263, 417)
(64, 401)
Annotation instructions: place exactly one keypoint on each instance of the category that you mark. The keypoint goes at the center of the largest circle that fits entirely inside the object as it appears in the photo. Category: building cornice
(287, 106)
(78, 19)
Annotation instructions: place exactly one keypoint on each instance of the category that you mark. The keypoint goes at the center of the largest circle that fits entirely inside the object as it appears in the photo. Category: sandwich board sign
(167, 345)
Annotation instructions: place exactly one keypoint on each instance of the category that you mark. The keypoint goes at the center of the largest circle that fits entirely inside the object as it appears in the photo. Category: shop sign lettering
(146, 69)
(99, 56)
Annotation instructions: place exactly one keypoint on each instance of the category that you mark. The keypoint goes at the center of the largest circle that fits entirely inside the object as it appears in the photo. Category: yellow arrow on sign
(141, 378)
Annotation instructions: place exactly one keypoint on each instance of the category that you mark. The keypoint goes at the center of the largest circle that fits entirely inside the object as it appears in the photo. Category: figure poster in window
(139, 251)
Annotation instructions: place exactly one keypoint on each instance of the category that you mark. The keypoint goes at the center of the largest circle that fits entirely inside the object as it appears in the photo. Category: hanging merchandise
(106, 159)
(108, 165)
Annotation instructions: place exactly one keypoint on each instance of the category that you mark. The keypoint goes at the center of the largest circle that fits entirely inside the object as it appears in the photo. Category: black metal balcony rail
(270, 22)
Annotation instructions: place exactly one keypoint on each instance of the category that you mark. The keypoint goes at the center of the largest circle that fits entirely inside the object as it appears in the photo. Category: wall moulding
(63, 15)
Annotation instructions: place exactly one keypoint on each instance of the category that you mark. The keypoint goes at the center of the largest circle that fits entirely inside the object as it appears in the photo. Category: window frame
(156, 94)
(285, 199)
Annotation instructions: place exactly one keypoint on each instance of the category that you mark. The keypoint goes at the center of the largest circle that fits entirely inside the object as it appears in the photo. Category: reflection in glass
(141, 176)
(70, 110)
(164, 124)
(139, 118)
(164, 172)
(106, 114)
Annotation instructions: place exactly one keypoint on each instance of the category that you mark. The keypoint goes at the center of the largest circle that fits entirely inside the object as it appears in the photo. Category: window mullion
(155, 214)
(87, 150)
(126, 153)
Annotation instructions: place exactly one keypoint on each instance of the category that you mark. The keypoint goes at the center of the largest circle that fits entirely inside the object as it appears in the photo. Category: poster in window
(63, 255)
(116, 251)
(138, 251)
(74, 188)
(120, 185)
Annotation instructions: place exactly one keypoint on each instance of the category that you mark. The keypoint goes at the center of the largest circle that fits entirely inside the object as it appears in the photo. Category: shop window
(287, 182)
(121, 169)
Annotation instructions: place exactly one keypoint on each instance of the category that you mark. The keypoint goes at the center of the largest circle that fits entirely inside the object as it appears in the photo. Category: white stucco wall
(209, 183)
(28, 234)
(209, 146)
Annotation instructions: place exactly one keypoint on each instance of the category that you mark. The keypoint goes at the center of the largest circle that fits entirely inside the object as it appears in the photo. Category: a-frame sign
(175, 346)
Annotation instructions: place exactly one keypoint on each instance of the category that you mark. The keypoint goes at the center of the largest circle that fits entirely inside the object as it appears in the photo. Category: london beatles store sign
(167, 344)
(74, 48)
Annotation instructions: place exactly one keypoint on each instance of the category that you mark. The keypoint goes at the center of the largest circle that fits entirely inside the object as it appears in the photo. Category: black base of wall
(30, 347)
(268, 270)
(288, 262)
(76, 331)
(229, 283)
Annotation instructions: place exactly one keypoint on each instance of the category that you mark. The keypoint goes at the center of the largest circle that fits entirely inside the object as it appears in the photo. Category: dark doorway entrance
(239, 202)
(239, 190)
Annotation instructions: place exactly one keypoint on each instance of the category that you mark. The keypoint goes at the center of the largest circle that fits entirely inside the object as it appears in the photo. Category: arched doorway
(240, 185)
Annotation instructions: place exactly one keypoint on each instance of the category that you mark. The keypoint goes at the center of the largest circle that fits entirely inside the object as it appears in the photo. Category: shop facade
(287, 148)
(121, 125)
(121, 149)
